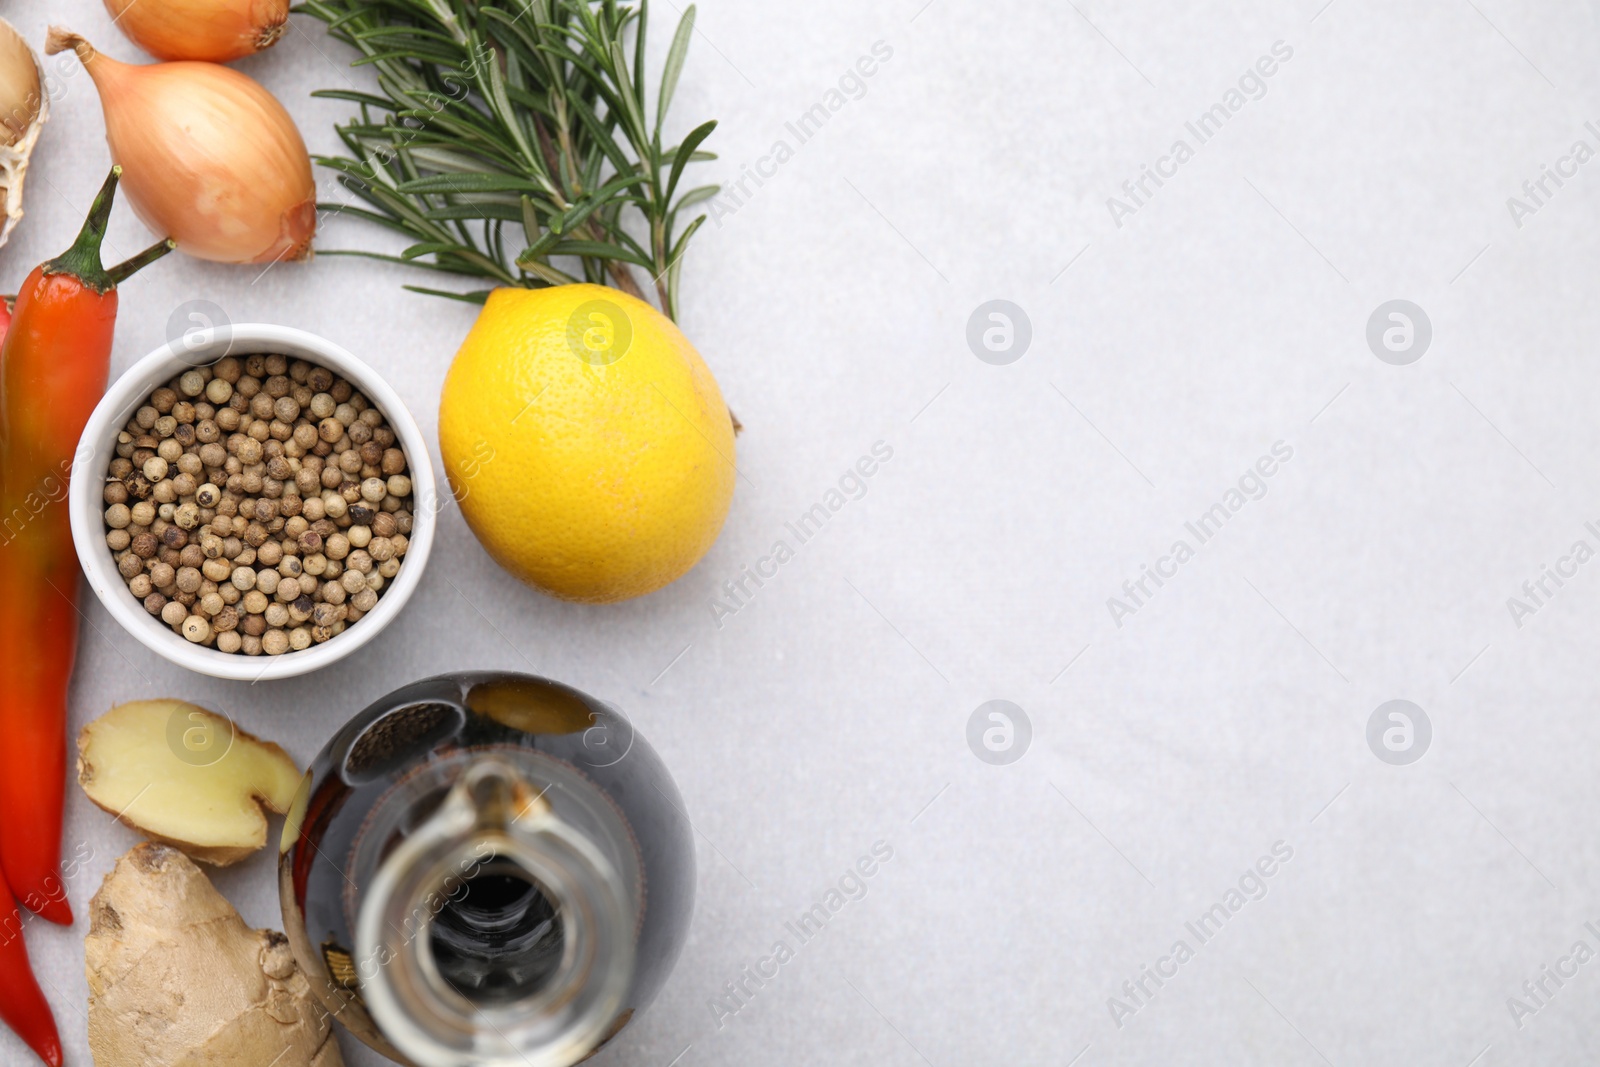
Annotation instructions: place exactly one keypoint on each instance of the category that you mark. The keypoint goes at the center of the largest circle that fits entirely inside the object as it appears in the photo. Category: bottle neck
(496, 934)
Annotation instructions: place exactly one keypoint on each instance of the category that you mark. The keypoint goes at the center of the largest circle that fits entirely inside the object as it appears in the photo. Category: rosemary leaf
(527, 113)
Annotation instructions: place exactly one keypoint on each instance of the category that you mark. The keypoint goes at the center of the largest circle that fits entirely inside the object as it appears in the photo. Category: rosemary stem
(522, 116)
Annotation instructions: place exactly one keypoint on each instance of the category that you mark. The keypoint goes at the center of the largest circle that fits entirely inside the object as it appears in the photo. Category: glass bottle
(487, 869)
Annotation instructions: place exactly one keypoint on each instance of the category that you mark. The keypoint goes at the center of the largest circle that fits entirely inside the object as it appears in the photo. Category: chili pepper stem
(82, 260)
(128, 267)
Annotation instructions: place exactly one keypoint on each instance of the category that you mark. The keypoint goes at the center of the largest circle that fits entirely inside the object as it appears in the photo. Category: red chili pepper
(53, 368)
(22, 1003)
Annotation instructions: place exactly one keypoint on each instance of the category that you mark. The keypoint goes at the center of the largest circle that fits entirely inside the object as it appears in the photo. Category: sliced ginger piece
(185, 776)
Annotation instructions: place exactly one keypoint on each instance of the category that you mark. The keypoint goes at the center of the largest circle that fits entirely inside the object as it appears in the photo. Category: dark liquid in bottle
(498, 937)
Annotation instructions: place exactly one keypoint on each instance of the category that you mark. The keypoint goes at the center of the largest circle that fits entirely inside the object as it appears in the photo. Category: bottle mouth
(500, 938)
(495, 934)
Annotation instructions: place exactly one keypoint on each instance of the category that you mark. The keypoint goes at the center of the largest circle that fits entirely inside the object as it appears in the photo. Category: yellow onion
(208, 156)
(24, 106)
(212, 30)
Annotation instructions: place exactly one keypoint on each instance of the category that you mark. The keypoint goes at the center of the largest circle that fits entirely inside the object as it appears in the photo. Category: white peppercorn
(252, 503)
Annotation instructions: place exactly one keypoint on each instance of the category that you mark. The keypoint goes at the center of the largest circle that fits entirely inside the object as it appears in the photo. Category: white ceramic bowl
(97, 447)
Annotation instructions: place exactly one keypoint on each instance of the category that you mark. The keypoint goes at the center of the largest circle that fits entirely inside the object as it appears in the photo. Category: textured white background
(1228, 714)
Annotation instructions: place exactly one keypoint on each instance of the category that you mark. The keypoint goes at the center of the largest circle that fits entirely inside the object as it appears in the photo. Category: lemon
(587, 443)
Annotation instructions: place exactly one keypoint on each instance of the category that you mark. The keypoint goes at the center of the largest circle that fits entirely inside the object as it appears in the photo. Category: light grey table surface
(1172, 346)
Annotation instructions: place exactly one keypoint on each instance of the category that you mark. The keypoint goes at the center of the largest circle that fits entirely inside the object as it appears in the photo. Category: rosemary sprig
(527, 114)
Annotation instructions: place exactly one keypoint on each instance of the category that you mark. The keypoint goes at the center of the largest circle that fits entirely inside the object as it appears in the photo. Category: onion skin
(209, 157)
(214, 31)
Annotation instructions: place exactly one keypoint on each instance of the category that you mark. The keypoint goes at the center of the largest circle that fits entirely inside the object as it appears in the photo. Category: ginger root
(185, 776)
(176, 978)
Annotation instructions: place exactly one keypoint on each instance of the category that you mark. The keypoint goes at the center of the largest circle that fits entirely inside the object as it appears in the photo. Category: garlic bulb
(209, 157)
(211, 30)
(24, 107)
